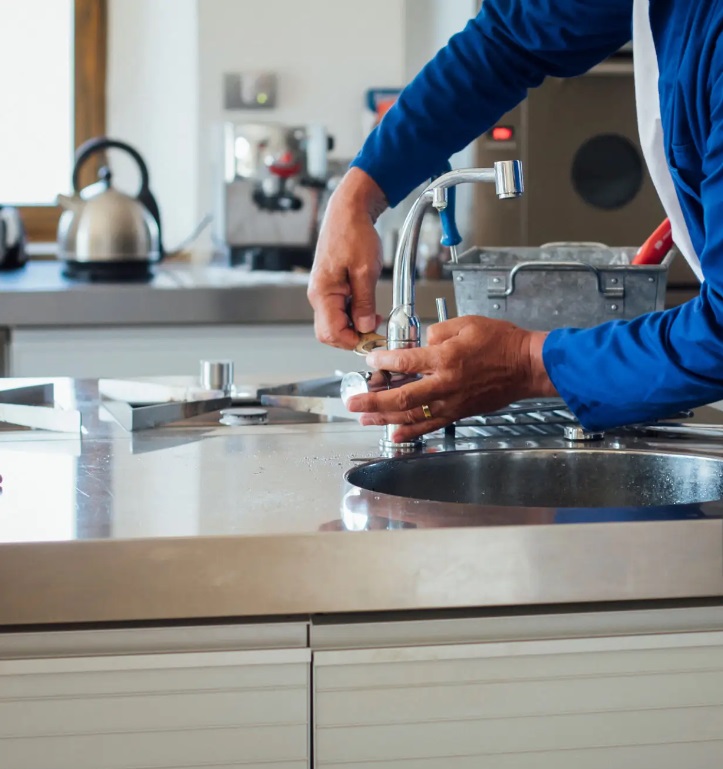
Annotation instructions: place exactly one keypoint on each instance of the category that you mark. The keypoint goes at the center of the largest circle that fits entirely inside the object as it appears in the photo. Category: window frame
(90, 61)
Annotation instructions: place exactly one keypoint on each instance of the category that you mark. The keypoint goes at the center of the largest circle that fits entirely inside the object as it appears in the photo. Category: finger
(410, 417)
(441, 332)
(414, 360)
(331, 323)
(363, 299)
(417, 430)
(400, 399)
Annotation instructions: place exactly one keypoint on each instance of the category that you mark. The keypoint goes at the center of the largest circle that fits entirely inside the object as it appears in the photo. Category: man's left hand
(472, 365)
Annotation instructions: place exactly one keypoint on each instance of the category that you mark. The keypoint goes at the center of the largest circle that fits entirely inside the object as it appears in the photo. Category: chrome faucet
(403, 327)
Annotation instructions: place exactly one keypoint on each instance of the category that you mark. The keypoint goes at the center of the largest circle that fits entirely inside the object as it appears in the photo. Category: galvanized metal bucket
(558, 284)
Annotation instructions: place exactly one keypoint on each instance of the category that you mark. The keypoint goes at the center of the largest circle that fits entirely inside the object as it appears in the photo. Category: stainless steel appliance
(586, 176)
(274, 188)
(104, 234)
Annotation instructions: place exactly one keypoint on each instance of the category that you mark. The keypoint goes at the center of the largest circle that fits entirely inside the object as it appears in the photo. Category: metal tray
(558, 285)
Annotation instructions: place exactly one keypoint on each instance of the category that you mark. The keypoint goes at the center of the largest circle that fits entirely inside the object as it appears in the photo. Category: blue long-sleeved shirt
(619, 372)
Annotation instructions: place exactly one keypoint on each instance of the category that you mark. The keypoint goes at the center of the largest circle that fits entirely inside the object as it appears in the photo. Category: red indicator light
(502, 133)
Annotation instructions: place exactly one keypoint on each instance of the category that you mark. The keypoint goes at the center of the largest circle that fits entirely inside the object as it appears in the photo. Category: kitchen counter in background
(39, 296)
(50, 326)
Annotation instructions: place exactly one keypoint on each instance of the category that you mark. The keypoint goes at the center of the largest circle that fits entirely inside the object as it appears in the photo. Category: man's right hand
(348, 262)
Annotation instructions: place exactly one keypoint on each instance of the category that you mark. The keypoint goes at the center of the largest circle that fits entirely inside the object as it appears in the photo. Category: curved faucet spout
(403, 328)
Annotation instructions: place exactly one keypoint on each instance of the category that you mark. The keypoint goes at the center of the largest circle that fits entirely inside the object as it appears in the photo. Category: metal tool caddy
(559, 284)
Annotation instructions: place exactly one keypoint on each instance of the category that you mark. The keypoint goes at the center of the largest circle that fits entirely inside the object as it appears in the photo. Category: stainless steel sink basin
(549, 478)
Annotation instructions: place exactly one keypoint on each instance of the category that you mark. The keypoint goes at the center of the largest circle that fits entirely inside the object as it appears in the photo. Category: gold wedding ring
(427, 412)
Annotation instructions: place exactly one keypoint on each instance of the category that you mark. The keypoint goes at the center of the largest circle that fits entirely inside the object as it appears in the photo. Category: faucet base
(407, 447)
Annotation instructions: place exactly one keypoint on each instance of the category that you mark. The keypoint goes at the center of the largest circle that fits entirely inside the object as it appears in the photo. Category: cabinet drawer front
(235, 709)
(529, 705)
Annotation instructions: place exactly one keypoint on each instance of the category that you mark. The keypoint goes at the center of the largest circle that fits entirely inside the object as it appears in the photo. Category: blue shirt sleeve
(483, 72)
(627, 372)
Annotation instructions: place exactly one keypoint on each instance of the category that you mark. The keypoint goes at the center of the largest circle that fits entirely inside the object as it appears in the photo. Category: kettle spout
(70, 203)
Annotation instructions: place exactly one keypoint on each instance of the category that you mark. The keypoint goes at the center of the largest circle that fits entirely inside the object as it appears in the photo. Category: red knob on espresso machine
(286, 165)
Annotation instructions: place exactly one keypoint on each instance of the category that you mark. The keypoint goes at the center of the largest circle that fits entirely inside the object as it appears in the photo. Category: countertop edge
(343, 573)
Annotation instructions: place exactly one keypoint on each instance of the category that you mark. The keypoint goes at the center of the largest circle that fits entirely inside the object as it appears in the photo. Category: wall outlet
(250, 90)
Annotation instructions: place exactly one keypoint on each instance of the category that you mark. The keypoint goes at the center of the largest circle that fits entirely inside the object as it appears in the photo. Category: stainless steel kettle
(104, 234)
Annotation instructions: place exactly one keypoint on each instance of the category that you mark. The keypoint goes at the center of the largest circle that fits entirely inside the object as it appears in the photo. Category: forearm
(358, 194)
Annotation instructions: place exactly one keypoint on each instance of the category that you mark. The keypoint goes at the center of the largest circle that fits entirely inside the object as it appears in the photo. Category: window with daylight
(52, 98)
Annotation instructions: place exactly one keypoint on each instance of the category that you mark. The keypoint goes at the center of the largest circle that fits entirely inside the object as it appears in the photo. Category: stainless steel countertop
(207, 521)
(179, 294)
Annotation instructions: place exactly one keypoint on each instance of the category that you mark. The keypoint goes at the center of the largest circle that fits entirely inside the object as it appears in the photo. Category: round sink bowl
(550, 478)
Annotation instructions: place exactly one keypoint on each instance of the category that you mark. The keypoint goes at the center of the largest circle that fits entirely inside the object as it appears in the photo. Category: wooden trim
(41, 222)
(90, 63)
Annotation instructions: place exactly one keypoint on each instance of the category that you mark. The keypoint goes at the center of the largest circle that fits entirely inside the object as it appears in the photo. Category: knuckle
(312, 292)
(325, 336)
(433, 334)
(437, 359)
(453, 365)
(409, 418)
(404, 401)
(399, 363)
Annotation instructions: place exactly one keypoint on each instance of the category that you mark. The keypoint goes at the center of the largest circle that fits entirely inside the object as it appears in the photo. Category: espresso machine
(276, 182)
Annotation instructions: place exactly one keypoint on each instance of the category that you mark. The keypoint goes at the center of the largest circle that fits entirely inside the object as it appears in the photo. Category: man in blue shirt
(617, 373)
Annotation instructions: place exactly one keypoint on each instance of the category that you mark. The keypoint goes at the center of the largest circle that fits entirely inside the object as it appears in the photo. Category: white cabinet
(624, 702)
(275, 350)
(229, 710)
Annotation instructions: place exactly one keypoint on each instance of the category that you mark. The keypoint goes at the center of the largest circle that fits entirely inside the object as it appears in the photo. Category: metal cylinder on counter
(217, 375)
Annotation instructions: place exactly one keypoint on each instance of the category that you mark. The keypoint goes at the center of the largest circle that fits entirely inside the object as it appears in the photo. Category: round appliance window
(607, 171)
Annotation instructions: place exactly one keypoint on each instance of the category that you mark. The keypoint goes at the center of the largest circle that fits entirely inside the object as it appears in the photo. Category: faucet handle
(445, 201)
(450, 234)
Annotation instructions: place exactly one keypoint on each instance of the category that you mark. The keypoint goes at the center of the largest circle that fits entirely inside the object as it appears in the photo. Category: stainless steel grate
(537, 418)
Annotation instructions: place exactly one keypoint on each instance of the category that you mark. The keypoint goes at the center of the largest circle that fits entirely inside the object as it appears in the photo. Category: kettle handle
(145, 196)
(92, 146)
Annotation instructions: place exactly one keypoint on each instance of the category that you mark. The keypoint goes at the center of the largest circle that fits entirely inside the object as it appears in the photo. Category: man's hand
(472, 365)
(348, 262)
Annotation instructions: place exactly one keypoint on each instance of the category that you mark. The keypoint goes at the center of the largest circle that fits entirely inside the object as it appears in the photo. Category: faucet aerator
(508, 179)
(508, 195)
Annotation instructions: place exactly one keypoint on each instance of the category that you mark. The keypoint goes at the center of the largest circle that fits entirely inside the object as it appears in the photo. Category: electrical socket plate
(250, 90)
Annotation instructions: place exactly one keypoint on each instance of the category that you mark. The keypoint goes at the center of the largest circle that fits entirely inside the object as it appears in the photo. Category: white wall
(153, 96)
(168, 57)
(326, 53)
(428, 25)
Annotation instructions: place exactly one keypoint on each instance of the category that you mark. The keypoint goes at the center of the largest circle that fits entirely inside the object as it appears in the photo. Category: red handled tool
(657, 246)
